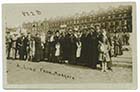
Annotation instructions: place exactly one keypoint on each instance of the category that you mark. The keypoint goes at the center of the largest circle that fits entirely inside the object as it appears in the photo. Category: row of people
(90, 46)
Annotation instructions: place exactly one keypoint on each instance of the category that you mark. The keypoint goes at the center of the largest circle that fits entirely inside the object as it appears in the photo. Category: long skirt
(38, 55)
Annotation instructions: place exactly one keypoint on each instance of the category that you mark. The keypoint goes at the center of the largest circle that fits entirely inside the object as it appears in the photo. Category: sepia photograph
(69, 45)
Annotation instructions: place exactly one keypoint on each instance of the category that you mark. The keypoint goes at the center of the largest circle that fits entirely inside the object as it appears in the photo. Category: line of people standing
(89, 46)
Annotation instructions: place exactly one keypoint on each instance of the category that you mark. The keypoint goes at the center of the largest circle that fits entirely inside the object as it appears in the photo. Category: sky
(13, 13)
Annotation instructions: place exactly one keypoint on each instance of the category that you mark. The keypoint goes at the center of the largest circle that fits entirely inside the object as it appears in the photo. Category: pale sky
(12, 13)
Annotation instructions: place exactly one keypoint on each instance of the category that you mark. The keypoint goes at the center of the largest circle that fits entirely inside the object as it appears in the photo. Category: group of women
(89, 46)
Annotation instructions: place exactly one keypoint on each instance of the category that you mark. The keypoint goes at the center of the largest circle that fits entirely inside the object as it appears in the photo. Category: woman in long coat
(72, 59)
(46, 49)
(66, 47)
(89, 49)
(38, 49)
(95, 50)
(47, 46)
(57, 47)
(84, 55)
(92, 48)
(21, 49)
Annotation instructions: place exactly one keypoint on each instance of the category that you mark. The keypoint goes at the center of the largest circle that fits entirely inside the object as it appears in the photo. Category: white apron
(78, 51)
(57, 52)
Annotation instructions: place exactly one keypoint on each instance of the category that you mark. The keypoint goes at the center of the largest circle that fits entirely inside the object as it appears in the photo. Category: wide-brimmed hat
(97, 25)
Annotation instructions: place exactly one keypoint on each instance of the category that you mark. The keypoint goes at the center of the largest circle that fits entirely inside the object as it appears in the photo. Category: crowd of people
(90, 46)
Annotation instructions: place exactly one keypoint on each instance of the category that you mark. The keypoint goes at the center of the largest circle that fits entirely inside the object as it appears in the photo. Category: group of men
(89, 46)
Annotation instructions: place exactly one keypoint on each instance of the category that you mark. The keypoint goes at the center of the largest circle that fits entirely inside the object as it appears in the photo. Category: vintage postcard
(69, 45)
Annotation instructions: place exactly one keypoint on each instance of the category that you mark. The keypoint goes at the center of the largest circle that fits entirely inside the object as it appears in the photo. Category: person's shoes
(110, 69)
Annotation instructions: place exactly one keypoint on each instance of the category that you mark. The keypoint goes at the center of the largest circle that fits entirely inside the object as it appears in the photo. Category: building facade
(116, 19)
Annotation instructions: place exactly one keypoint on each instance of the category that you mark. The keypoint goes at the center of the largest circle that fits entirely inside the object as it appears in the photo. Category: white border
(53, 1)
